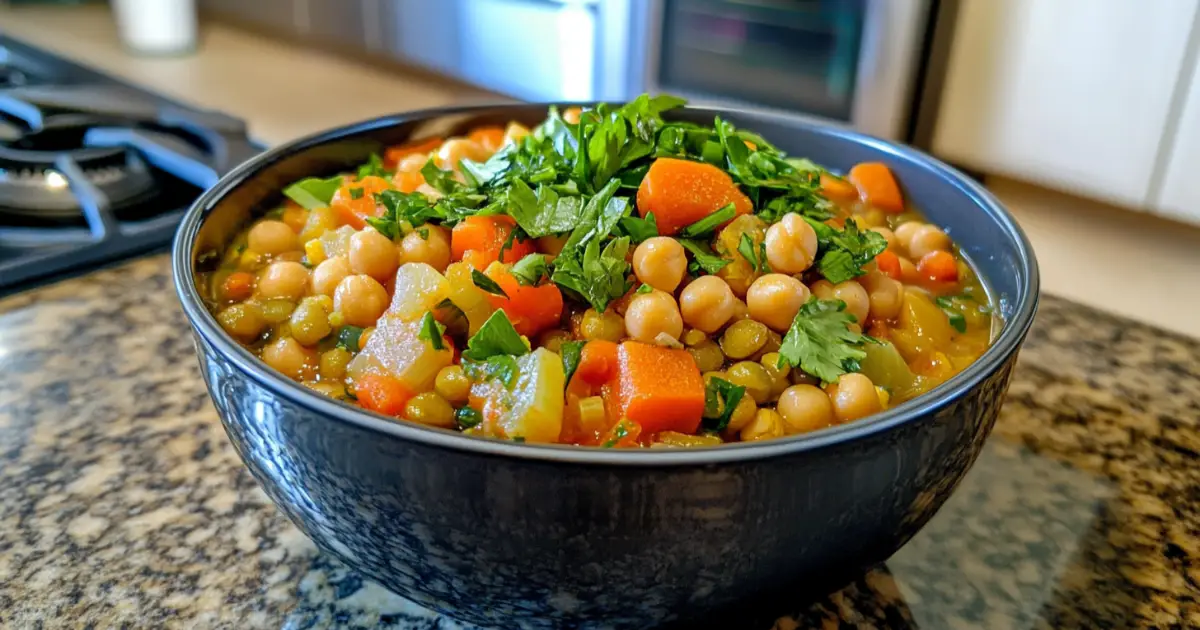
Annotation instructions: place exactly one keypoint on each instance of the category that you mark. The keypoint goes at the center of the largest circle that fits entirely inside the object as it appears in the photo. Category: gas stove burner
(30, 185)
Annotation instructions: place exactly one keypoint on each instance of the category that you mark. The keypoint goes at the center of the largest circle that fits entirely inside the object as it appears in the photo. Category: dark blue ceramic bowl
(505, 534)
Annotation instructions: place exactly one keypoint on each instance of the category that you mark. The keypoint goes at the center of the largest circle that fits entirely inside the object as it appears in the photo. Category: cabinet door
(1070, 94)
(1179, 195)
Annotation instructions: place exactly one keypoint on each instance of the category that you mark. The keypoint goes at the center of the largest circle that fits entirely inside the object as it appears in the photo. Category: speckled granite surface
(123, 505)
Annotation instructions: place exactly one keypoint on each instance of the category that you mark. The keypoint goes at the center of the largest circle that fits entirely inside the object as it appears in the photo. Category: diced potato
(419, 288)
(533, 408)
(319, 221)
(466, 296)
(394, 349)
(336, 242)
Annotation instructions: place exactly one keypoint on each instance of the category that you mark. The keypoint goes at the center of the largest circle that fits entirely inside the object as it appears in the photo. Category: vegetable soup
(607, 278)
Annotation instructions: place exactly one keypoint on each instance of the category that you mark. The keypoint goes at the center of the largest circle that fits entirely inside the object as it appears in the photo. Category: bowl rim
(205, 324)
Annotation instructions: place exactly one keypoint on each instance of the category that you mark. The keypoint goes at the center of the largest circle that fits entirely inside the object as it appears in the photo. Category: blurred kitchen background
(1082, 115)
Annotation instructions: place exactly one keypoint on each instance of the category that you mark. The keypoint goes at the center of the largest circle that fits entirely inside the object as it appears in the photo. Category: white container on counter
(157, 27)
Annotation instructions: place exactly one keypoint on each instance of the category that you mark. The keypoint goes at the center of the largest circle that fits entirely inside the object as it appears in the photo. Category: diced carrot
(393, 155)
(530, 309)
(486, 236)
(877, 186)
(408, 181)
(938, 266)
(837, 189)
(658, 388)
(681, 192)
(888, 263)
(572, 114)
(383, 394)
(597, 362)
(237, 286)
(294, 216)
(490, 138)
(355, 200)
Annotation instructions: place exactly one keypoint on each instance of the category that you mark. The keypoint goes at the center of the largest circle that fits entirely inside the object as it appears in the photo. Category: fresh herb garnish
(638, 229)
(313, 192)
(530, 270)
(844, 252)
(501, 367)
(619, 432)
(821, 342)
(356, 192)
(519, 439)
(720, 399)
(543, 212)
(703, 257)
(441, 181)
(467, 417)
(496, 337)
(453, 318)
(756, 255)
(598, 276)
(955, 316)
(487, 284)
(644, 289)
(432, 331)
(373, 168)
(709, 223)
(348, 336)
(572, 352)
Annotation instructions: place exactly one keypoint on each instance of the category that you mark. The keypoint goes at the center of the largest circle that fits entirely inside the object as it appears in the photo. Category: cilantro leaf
(638, 229)
(599, 216)
(496, 337)
(432, 332)
(598, 276)
(487, 284)
(373, 168)
(544, 212)
(572, 352)
(720, 399)
(452, 318)
(530, 270)
(709, 223)
(845, 251)
(412, 208)
(957, 320)
(348, 336)
(755, 255)
(703, 257)
(821, 342)
(313, 192)
(644, 289)
(441, 181)
(501, 366)
(467, 417)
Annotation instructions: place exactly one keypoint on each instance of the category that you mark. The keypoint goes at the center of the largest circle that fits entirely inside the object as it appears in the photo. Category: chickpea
(928, 238)
(283, 280)
(791, 244)
(887, 235)
(743, 338)
(452, 384)
(805, 408)
(271, 237)
(774, 300)
(310, 322)
(361, 300)
(884, 294)
(660, 262)
(692, 337)
(277, 311)
(373, 254)
(333, 362)
(766, 425)
(430, 409)
(553, 339)
(244, 321)
(454, 150)
(754, 377)
(607, 326)
(779, 375)
(905, 231)
(707, 303)
(429, 244)
(854, 397)
(740, 311)
(742, 415)
(328, 274)
(708, 356)
(851, 292)
(651, 314)
(291, 358)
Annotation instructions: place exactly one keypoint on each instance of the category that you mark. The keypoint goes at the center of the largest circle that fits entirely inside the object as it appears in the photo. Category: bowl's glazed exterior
(505, 534)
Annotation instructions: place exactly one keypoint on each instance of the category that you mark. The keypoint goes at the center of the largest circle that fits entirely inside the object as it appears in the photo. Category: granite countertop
(122, 504)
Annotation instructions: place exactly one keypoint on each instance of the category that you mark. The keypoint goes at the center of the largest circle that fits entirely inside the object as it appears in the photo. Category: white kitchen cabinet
(1070, 94)
(1179, 194)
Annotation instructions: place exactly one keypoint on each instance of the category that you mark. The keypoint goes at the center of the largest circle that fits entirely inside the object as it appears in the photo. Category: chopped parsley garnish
(638, 229)
(452, 318)
(756, 255)
(572, 352)
(373, 168)
(708, 224)
(348, 336)
(957, 320)
(530, 270)
(843, 253)
(313, 192)
(496, 337)
(644, 289)
(544, 212)
(821, 342)
(720, 399)
(467, 417)
(487, 284)
(620, 432)
(598, 276)
(432, 331)
(501, 367)
(703, 257)
(439, 180)
(356, 192)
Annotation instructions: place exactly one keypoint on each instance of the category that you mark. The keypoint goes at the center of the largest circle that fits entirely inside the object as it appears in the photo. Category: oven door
(849, 61)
